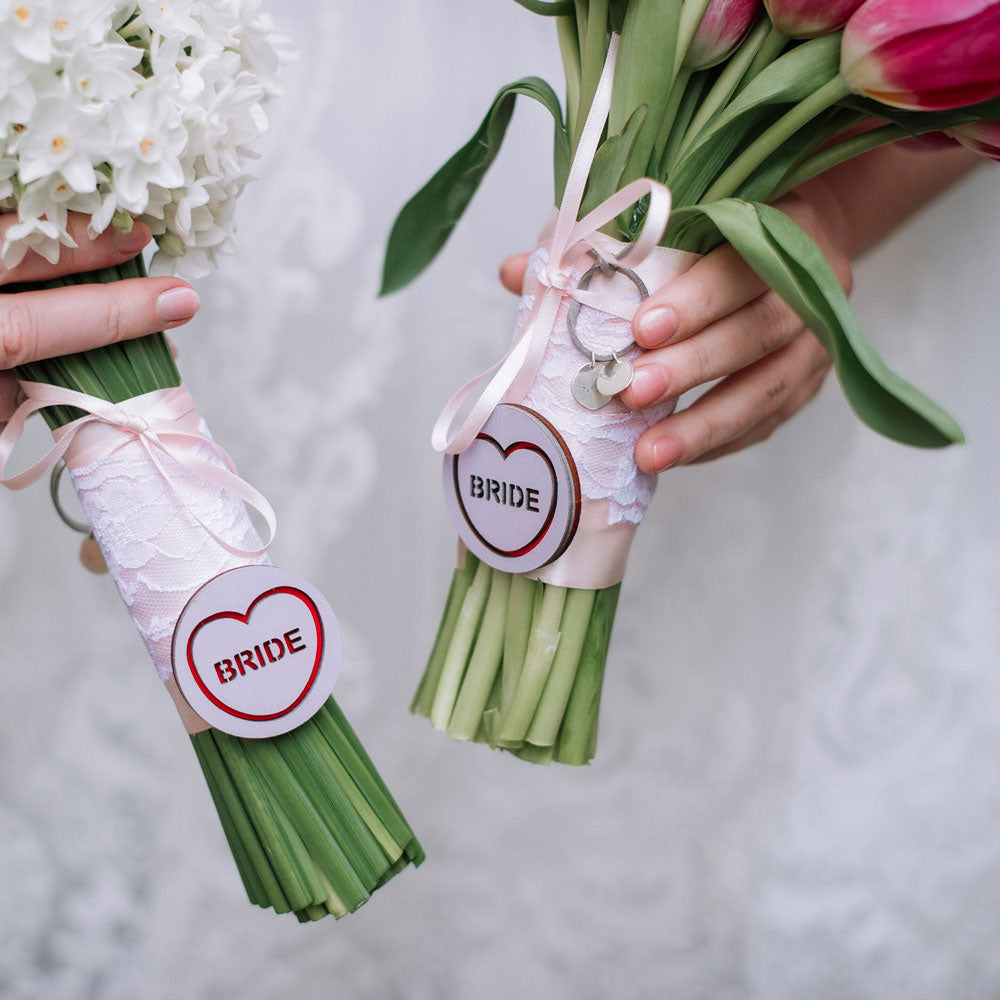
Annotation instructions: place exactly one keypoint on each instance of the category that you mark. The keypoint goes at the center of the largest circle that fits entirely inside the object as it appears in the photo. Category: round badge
(514, 493)
(256, 651)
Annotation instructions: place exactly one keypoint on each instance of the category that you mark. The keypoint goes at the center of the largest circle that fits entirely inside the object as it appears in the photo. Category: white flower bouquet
(142, 110)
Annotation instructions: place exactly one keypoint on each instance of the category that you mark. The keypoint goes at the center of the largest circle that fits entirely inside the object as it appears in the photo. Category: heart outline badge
(262, 671)
(519, 516)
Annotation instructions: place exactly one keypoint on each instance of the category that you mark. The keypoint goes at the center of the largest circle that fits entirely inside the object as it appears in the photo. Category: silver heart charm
(615, 378)
(584, 390)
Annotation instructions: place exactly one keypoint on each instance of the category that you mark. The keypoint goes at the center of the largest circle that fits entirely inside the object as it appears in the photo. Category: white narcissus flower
(103, 73)
(62, 138)
(40, 235)
(54, 198)
(147, 139)
(8, 169)
(29, 25)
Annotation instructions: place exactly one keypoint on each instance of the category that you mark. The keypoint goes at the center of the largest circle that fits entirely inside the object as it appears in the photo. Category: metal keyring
(54, 482)
(607, 268)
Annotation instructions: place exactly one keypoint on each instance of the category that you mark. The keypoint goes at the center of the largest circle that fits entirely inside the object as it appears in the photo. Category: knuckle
(20, 335)
(699, 362)
(704, 438)
(699, 302)
(115, 320)
(775, 322)
(774, 388)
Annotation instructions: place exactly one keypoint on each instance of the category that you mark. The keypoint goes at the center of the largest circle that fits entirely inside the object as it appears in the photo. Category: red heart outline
(506, 453)
(245, 619)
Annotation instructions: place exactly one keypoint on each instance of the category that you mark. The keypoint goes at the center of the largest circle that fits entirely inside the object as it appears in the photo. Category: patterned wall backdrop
(795, 794)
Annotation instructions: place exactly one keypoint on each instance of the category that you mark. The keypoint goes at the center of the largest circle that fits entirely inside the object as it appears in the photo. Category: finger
(776, 385)
(716, 285)
(512, 272)
(724, 347)
(762, 430)
(46, 324)
(106, 250)
(8, 396)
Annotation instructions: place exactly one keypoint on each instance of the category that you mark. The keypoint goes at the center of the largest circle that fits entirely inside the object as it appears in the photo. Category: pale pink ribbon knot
(165, 422)
(511, 378)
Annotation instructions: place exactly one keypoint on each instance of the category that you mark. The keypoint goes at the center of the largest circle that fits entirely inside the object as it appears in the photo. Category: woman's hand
(52, 322)
(720, 321)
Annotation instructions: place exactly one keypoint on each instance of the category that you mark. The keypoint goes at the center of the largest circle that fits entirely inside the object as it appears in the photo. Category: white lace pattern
(157, 552)
(603, 441)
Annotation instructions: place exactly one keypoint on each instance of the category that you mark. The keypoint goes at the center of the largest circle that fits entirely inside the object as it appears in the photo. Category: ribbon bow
(164, 422)
(513, 375)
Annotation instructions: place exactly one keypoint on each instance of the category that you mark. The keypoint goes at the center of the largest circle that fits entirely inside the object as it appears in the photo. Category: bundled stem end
(519, 665)
(310, 823)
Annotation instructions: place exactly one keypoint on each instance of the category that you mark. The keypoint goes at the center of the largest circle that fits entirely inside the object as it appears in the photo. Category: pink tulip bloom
(924, 55)
(810, 18)
(982, 137)
(722, 28)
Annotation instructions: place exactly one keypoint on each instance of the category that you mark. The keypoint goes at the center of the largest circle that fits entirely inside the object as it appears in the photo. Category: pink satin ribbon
(164, 422)
(512, 376)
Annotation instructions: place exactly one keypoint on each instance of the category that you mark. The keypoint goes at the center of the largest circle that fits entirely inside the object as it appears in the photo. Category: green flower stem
(569, 49)
(688, 106)
(838, 153)
(460, 581)
(579, 727)
(786, 126)
(483, 664)
(458, 649)
(573, 633)
(774, 44)
(677, 92)
(541, 651)
(520, 611)
(593, 51)
(725, 84)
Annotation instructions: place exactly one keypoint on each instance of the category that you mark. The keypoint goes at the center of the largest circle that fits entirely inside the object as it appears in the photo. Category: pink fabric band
(165, 422)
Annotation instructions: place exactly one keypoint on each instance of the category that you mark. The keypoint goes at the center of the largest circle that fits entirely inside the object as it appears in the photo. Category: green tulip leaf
(554, 9)
(790, 262)
(918, 122)
(612, 155)
(428, 218)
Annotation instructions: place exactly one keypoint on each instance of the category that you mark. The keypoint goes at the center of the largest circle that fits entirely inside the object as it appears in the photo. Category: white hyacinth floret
(122, 110)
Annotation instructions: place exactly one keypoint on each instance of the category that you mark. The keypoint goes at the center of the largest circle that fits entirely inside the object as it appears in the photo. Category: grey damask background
(795, 794)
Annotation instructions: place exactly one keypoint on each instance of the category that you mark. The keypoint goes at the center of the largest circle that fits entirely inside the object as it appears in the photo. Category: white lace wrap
(602, 442)
(157, 552)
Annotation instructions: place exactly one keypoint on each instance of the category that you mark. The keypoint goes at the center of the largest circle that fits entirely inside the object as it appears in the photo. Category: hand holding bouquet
(126, 111)
(719, 103)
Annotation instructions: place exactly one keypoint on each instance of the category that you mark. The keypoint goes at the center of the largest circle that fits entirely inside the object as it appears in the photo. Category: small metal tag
(91, 556)
(584, 387)
(616, 377)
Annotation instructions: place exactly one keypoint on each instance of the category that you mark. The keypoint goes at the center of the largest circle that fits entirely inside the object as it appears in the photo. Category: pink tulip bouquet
(139, 110)
(682, 123)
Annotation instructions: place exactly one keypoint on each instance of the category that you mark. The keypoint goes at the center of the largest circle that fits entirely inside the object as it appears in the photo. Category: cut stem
(541, 651)
(458, 650)
(573, 630)
(484, 663)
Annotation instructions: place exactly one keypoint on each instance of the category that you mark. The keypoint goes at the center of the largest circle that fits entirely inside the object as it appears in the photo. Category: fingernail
(133, 241)
(648, 384)
(656, 325)
(177, 305)
(666, 452)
